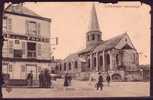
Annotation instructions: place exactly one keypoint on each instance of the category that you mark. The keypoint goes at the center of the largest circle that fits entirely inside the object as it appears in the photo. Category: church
(116, 56)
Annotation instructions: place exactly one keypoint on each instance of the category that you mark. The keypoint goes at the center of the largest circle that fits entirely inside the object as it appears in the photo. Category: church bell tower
(93, 36)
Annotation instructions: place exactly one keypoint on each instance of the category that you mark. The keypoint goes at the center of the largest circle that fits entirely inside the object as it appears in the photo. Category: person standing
(30, 78)
(66, 84)
(41, 79)
(69, 79)
(108, 79)
(100, 82)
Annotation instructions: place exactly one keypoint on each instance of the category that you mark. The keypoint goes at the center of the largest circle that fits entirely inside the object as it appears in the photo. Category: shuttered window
(23, 68)
(39, 50)
(38, 28)
(23, 47)
(9, 24)
(10, 46)
(10, 69)
(26, 27)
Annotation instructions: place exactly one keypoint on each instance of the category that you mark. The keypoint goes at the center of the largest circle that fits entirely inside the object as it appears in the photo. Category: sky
(70, 21)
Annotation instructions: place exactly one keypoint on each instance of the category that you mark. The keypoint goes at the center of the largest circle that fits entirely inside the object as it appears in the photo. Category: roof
(19, 8)
(74, 57)
(109, 44)
(88, 49)
(71, 56)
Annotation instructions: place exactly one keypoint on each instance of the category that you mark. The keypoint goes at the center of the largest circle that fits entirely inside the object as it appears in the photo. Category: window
(10, 68)
(7, 24)
(32, 28)
(4, 23)
(117, 59)
(101, 60)
(94, 61)
(10, 46)
(108, 59)
(56, 67)
(60, 68)
(23, 68)
(31, 47)
(64, 66)
(39, 69)
(17, 42)
(88, 63)
(98, 36)
(17, 53)
(39, 49)
(88, 37)
(93, 37)
(69, 66)
(23, 47)
(76, 64)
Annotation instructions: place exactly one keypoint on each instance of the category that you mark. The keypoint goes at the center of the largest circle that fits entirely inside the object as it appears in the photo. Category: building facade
(27, 44)
(116, 56)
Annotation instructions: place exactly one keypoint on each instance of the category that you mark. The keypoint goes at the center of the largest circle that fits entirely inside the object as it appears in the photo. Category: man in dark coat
(41, 79)
(69, 79)
(108, 79)
(30, 78)
(100, 82)
(66, 84)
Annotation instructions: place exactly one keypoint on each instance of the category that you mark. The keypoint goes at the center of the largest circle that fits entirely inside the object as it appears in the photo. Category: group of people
(44, 79)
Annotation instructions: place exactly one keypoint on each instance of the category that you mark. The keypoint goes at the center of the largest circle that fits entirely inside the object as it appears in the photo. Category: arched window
(107, 67)
(98, 36)
(94, 62)
(60, 67)
(88, 63)
(117, 59)
(101, 60)
(107, 59)
(93, 37)
(69, 66)
(88, 37)
(64, 66)
(76, 64)
(56, 68)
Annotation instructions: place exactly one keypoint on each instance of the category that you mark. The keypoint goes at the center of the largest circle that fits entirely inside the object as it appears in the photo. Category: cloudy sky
(70, 21)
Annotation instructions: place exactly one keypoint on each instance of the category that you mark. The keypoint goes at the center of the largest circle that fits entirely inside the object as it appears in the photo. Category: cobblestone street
(82, 89)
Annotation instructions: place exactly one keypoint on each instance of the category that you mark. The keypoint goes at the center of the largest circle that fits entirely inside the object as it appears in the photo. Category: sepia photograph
(76, 49)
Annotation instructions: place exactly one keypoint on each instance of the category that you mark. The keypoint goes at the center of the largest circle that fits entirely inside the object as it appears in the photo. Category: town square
(79, 49)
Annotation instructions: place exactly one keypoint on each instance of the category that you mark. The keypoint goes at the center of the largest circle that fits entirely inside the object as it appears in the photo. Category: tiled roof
(20, 9)
(109, 44)
(72, 56)
(89, 49)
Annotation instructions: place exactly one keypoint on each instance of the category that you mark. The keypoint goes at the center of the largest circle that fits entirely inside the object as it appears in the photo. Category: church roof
(93, 25)
(88, 49)
(20, 9)
(109, 44)
(74, 57)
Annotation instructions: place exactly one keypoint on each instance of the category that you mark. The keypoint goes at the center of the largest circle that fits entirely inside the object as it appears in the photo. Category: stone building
(27, 42)
(116, 56)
